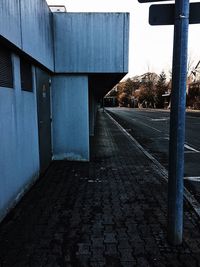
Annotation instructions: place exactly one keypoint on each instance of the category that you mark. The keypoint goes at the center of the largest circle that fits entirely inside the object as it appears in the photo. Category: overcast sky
(150, 47)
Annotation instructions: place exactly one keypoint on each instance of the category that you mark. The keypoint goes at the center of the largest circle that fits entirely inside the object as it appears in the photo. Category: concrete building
(54, 68)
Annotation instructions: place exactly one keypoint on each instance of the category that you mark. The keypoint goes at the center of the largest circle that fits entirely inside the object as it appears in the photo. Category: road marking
(191, 148)
(150, 127)
(193, 178)
(160, 168)
(157, 138)
(160, 119)
(187, 147)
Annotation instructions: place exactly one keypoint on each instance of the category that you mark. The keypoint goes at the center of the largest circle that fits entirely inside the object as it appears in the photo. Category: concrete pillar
(70, 117)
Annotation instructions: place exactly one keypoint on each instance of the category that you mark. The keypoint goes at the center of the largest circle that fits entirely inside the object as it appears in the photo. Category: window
(26, 75)
(6, 74)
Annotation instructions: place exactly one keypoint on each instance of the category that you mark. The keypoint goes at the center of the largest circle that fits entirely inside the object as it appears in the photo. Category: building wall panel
(91, 42)
(10, 21)
(37, 37)
(28, 25)
(19, 154)
(70, 116)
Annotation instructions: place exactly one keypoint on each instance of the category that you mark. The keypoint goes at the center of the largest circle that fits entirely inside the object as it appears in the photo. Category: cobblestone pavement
(109, 212)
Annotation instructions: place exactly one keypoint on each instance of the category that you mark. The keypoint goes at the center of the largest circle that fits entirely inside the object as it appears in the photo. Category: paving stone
(110, 238)
(97, 254)
(97, 263)
(126, 254)
(111, 249)
(81, 260)
(128, 263)
(141, 261)
(83, 249)
(108, 220)
(123, 243)
(108, 228)
(110, 212)
(187, 261)
(97, 243)
(113, 261)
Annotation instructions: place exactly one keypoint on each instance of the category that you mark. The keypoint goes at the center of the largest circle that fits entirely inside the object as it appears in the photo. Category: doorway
(44, 118)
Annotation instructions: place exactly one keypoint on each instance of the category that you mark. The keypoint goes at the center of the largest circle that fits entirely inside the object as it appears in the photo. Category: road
(151, 129)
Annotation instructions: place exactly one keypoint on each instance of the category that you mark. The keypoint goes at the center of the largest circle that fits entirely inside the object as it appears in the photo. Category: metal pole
(177, 123)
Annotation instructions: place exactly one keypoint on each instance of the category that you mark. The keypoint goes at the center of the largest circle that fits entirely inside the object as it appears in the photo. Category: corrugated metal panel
(126, 42)
(6, 74)
(91, 42)
(37, 36)
(28, 25)
(10, 21)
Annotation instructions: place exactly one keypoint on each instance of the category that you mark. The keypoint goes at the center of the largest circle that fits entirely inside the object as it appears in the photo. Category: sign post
(180, 15)
(177, 123)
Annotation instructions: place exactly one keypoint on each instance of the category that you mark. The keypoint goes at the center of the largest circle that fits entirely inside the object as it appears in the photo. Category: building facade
(54, 68)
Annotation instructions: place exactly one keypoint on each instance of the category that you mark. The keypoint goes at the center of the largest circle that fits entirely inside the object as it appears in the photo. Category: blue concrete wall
(10, 21)
(28, 25)
(104, 37)
(37, 36)
(91, 42)
(70, 117)
(19, 155)
(84, 43)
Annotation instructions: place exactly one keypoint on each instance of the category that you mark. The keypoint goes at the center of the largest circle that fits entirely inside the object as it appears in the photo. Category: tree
(148, 88)
(128, 86)
(160, 89)
(125, 92)
(124, 99)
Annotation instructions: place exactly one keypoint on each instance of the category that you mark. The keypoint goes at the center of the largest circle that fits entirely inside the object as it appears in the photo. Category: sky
(150, 47)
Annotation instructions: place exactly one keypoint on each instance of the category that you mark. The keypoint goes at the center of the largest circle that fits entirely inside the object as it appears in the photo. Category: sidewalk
(109, 212)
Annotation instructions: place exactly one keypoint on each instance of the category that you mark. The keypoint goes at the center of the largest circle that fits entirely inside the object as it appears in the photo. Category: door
(44, 118)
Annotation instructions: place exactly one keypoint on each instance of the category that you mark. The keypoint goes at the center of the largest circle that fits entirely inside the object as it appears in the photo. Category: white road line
(191, 148)
(167, 137)
(193, 178)
(160, 168)
(161, 119)
(187, 146)
(150, 127)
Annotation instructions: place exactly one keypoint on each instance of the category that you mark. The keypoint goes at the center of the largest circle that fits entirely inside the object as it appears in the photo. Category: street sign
(164, 14)
(149, 1)
(194, 13)
(161, 14)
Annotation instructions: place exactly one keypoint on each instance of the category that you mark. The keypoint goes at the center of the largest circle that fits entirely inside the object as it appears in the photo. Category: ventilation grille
(6, 75)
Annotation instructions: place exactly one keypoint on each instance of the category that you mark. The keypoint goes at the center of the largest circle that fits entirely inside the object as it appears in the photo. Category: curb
(194, 204)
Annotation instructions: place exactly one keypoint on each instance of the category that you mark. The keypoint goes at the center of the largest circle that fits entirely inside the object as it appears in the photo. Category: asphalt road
(151, 129)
